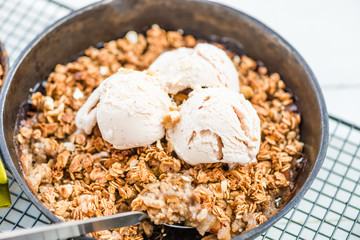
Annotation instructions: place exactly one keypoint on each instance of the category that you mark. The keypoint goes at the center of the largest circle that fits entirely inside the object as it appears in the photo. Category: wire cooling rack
(329, 210)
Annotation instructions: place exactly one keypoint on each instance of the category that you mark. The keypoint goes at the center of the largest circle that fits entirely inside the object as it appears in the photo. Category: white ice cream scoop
(216, 125)
(128, 107)
(203, 66)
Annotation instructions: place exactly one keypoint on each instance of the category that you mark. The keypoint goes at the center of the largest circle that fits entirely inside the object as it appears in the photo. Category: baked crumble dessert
(78, 175)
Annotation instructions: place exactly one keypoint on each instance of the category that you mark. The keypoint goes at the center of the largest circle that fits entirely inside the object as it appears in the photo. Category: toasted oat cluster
(78, 176)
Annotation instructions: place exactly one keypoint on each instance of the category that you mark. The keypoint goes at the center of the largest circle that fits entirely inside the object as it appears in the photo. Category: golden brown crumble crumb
(2, 77)
(78, 176)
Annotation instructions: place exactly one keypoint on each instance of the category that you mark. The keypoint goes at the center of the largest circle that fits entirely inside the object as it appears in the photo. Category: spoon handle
(76, 228)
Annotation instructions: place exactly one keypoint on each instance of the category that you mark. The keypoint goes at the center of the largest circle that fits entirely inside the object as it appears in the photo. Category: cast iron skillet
(108, 20)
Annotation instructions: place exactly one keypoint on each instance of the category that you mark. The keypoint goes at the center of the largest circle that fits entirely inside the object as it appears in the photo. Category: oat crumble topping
(78, 176)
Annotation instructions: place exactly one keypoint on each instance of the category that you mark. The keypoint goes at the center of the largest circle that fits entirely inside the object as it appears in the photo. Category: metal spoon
(79, 228)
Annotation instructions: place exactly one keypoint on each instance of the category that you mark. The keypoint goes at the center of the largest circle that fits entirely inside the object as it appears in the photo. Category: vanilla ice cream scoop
(128, 107)
(216, 125)
(203, 66)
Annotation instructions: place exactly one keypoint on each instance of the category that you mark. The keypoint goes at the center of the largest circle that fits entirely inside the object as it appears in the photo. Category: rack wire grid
(329, 210)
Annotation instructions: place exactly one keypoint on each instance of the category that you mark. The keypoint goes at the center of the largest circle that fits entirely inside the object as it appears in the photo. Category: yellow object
(3, 178)
(5, 200)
